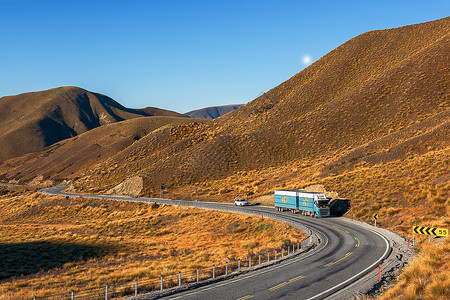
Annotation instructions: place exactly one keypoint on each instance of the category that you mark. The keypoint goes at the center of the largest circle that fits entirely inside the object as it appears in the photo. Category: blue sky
(181, 55)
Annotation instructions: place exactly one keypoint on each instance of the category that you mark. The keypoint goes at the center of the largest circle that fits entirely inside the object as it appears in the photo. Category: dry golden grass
(368, 125)
(427, 277)
(61, 244)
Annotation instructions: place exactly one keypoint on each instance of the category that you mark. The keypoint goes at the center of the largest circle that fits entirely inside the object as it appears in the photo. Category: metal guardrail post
(250, 262)
(106, 292)
(197, 274)
(162, 282)
(268, 256)
(214, 271)
(179, 278)
(275, 254)
(239, 265)
(135, 287)
(226, 268)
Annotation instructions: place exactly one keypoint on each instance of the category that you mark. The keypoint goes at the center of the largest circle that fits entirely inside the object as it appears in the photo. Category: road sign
(375, 216)
(430, 231)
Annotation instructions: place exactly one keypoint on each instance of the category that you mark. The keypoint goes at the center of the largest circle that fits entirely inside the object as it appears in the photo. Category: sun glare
(306, 59)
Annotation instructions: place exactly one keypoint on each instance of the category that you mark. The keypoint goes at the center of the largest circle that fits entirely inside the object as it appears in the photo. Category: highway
(346, 252)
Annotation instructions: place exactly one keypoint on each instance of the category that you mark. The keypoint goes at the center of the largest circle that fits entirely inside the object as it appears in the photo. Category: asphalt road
(346, 252)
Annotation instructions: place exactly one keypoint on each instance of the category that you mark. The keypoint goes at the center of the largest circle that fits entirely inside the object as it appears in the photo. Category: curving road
(347, 251)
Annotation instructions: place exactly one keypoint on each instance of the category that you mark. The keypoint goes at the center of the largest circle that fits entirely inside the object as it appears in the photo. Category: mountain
(380, 97)
(212, 112)
(67, 158)
(32, 121)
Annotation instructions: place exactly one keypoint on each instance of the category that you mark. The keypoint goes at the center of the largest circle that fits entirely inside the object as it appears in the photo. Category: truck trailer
(306, 203)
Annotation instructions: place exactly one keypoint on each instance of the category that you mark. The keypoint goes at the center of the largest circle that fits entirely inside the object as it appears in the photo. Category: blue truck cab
(307, 203)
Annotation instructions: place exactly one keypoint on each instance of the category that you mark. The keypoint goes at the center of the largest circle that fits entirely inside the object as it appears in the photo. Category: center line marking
(278, 286)
(357, 246)
(341, 229)
(286, 283)
(297, 278)
(246, 297)
(348, 254)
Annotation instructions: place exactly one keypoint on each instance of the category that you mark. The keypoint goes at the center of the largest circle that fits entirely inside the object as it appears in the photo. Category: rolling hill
(67, 158)
(212, 112)
(378, 98)
(32, 121)
(369, 121)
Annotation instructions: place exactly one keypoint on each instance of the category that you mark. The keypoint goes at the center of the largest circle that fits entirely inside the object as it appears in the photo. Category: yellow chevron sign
(430, 231)
(375, 216)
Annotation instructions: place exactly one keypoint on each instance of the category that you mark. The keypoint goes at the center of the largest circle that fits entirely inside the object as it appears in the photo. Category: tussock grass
(51, 245)
(427, 277)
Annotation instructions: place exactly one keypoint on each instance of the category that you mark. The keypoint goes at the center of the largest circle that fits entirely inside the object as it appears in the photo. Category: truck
(307, 203)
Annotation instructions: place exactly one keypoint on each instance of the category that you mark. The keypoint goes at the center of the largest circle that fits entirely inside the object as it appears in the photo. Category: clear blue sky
(181, 55)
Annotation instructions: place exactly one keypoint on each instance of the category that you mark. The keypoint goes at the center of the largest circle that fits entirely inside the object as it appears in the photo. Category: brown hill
(67, 158)
(379, 97)
(32, 121)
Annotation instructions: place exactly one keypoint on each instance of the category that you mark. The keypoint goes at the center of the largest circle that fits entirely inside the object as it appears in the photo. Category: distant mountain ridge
(32, 121)
(213, 112)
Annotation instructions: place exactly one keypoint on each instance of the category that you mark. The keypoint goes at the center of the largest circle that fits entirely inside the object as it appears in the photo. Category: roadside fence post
(250, 262)
(282, 252)
(73, 295)
(179, 278)
(226, 268)
(298, 246)
(259, 259)
(197, 274)
(268, 256)
(429, 239)
(408, 242)
(214, 271)
(239, 265)
(414, 240)
(275, 254)
(293, 248)
(106, 292)
(379, 272)
(135, 287)
(162, 282)
(289, 248)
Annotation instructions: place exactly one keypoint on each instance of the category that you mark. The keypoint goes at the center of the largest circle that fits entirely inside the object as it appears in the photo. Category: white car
(241, 202)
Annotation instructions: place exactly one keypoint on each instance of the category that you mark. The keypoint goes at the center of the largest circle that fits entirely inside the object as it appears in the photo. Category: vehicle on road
(307, 203)
(241, 202)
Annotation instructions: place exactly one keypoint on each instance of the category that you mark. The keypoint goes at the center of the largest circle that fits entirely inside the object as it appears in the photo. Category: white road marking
(362, 272)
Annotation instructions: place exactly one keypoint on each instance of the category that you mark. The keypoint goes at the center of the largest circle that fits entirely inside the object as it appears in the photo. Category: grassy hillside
(50, 245)
(67, 158)
(368, 122)
(379, 97)
(32, 121)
